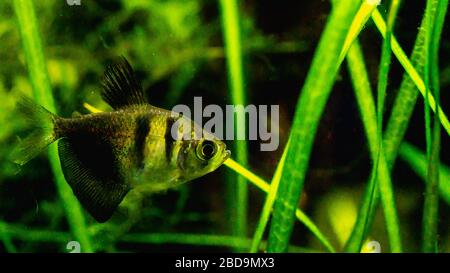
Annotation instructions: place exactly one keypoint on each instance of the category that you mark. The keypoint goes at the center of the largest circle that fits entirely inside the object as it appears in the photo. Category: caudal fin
(42, 124)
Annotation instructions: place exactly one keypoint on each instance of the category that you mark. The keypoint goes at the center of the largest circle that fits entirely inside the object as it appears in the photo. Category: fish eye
(206, 150)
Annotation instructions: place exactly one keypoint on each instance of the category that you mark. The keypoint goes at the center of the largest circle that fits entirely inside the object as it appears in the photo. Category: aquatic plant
(42, 93)
(233, 52)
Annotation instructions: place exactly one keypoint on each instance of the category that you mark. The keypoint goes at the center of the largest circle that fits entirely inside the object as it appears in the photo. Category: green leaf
(264, 186)
(401, 112)
(37, 69)
(410, 69)
(366, 105)
(385, 184)
(233, 50)
(268, 204)
(417, 160)
(310, 106)
(431, 80)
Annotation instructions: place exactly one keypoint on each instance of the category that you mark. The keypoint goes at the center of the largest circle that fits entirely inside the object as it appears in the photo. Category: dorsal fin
(90, 169)
(120, 85)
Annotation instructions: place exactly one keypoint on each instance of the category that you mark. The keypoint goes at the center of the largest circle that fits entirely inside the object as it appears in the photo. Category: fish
(135, 147)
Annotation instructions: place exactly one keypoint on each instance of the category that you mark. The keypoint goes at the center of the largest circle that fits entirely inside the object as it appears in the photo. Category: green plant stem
(268, 204)
(408, 93)
(410, 70)
(431, 79)
(403, 107)
(42, 235)
(360, 19)
(42, 92)
(264, 186)
(6, 238)
(428, 209)
(418, 162)
(310, 106)
(383, 73)
(35, 235)
(366, 105)
(199, 239)
(233, 50)
(268, 207)
(426, 80)
(385, 187)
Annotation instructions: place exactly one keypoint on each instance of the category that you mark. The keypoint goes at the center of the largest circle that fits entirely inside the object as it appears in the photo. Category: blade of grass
(401, 113)
(366, 105)
(41, 235)
(42, 92)
(200, 240)
(233, 50)
(427, 222)
(363, 93)
(383, 72)
(426, 81)
(409, 68)
(310, 106)
(268, 205)
(265, 187)
(24, 233)
(431, 79)
(408, 93)
(385, 185)
(361, 17)
(6, 238)
(418, 162)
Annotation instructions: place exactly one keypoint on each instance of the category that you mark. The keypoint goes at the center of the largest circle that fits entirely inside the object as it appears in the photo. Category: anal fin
(92, 177)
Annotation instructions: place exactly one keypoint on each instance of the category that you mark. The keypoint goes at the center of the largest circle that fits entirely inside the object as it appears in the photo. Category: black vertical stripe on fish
(181, 156)
(169, 140)
(193, 135)
(140, 134)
